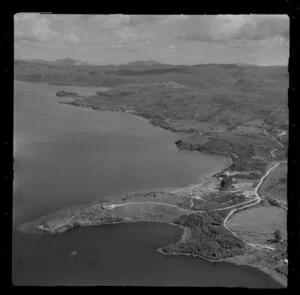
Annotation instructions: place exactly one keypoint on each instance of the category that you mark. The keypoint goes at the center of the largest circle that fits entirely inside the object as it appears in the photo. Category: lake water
(67, 156)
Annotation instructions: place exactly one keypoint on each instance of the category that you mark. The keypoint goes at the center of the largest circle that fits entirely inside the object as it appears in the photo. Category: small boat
(74, 252)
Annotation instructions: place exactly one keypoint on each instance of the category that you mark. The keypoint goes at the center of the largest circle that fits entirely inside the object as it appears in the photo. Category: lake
(66, 156)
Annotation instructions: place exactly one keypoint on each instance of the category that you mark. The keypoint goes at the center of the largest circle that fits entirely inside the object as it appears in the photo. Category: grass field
(161, 197)
(261, 220)
(150, 212)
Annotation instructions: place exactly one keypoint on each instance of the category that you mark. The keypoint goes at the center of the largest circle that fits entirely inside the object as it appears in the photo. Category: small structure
(74, 253)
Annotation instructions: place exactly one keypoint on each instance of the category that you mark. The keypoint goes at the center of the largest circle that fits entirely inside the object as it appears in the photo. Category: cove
(123, 254)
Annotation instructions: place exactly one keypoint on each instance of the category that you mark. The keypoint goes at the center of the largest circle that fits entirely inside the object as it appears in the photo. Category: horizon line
(119, 64)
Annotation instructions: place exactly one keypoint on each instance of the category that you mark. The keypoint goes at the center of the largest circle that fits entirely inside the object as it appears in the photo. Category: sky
(172, 39)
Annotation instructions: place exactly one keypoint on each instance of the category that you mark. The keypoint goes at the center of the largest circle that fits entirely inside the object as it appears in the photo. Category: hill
(144, 63)
(180, 98)
(68, 62)
(59, 62)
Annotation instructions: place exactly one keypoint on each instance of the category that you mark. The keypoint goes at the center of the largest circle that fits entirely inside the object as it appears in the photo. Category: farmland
(258, 224)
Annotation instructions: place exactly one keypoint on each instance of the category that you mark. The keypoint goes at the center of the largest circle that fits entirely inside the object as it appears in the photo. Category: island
(68, 94)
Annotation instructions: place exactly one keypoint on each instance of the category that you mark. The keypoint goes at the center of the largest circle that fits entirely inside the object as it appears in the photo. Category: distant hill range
(69, 62)
(201, 75)
(218, 94)
(138, 64)
(62, 62)
(147, 63)
(74, 62)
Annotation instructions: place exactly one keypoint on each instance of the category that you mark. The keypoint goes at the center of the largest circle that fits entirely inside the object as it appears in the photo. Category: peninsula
(233, 214)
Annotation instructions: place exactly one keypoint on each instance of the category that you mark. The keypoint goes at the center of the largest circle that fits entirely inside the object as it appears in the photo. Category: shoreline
(226, 163)
(281, 279)
(25, 227)
(185, 234)
(185, 230)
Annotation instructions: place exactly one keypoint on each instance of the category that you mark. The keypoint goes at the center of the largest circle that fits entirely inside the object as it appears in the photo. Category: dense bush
(208, 93)
(209, 238)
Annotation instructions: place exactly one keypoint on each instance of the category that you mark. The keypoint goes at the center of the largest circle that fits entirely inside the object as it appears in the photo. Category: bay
(67, 156)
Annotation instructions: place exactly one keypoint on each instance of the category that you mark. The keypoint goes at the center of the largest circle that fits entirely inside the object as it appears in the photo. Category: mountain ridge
(220, 95)
(71, 61)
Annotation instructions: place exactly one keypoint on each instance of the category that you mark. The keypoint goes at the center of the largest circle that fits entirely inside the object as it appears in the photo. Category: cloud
(33, 27)
(198, 58)
(185, 56)
(277, 41)
(72, 38)
(174, 18)
(86, 16)
(64, 17)
(170, 48)
(128, 38)
(164, 19)
(223, 28)
(120, 20)
(220, 46)
(286, 34)
(125, 36)
(116, 21)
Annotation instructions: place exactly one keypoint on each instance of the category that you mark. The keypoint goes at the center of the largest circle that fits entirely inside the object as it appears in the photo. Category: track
(257, 198)
(253, 202)
(159, 203)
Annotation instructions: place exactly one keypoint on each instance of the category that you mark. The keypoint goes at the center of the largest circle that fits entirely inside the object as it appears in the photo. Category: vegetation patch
(208, 94)
(209, 239)
(226, 198)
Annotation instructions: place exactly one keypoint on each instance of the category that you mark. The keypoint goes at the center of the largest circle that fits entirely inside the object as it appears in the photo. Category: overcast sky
(173, 39)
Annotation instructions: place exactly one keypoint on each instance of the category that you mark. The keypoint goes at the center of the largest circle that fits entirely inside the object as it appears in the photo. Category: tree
(225, 182)
(277, 235)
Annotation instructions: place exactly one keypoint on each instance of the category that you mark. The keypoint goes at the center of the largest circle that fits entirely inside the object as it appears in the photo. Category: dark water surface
(121, 255)
(66, 156)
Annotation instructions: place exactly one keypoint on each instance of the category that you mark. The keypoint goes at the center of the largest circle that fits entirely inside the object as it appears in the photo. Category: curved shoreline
(184, 236)
(186, 230)
(281, 279)
(28, 226)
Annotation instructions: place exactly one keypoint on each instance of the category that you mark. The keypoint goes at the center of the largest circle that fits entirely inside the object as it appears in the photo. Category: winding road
(256, 201)
(257, 198)
(253, 202)
(159, 203)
